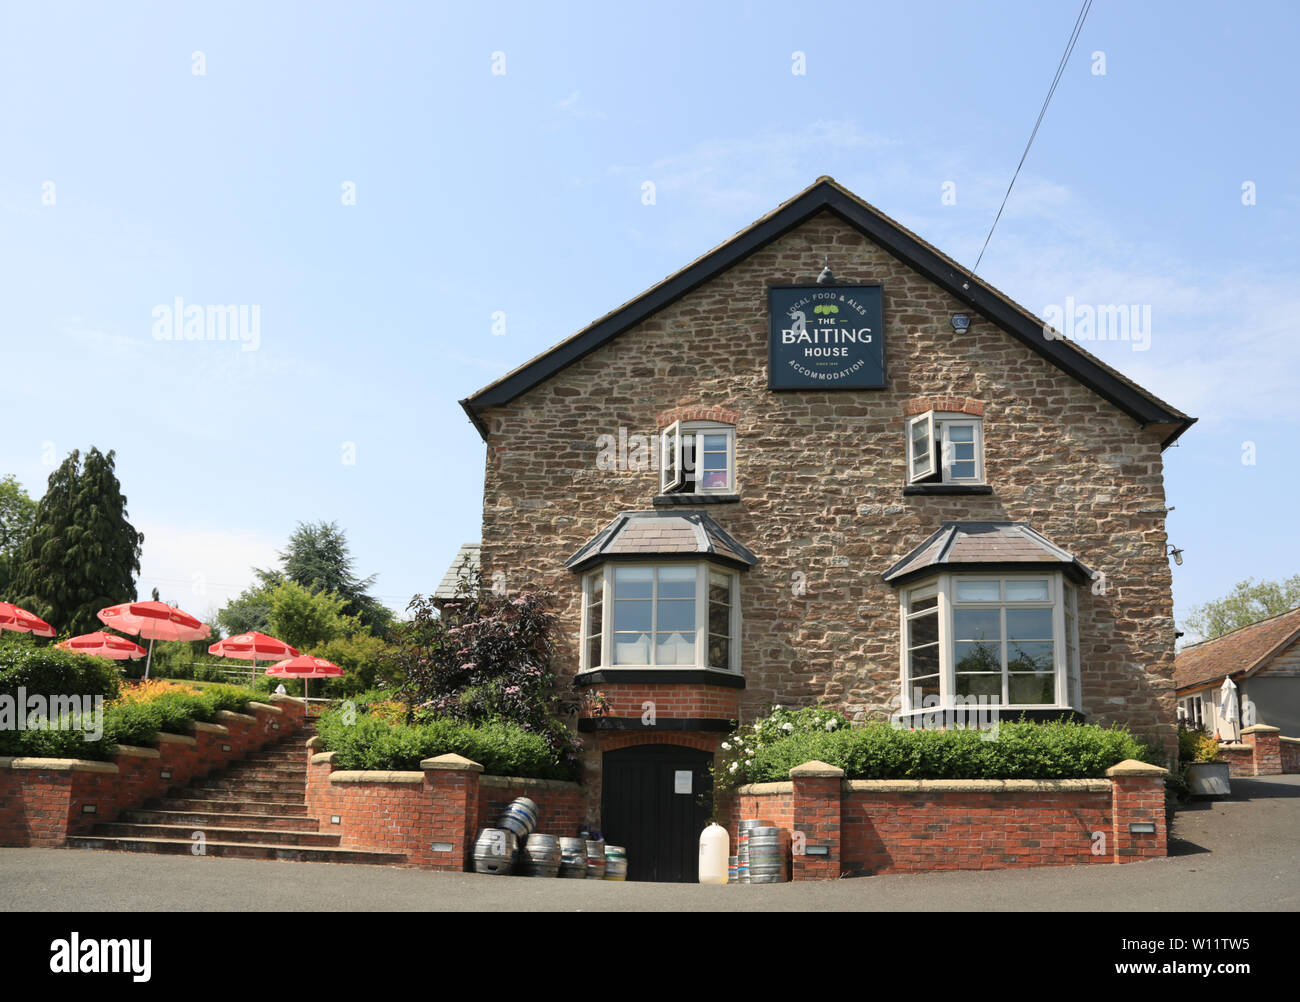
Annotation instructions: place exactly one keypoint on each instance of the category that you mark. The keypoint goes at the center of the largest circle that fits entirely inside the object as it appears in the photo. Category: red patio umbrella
(252, 646)
(155, 621)
(22, 621)
(305, 667)
(103, 645)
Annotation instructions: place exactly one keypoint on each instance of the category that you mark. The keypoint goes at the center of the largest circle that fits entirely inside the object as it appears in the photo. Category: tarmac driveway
(1239, 853)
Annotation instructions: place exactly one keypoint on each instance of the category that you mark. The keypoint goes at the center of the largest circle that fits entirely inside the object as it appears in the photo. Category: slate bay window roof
(635, 534)
(977, 546)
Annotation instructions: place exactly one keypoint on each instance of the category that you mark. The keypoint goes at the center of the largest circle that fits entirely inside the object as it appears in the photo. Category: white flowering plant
(736, 757)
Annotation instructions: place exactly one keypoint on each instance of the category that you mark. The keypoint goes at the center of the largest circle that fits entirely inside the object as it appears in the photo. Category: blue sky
(521, 192)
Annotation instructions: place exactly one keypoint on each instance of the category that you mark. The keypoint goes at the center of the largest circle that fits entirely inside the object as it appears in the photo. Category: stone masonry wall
(821, 474)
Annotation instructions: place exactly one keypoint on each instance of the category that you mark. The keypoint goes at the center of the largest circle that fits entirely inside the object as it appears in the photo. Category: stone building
(824, 463)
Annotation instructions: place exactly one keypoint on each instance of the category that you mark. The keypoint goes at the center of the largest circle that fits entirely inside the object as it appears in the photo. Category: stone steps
(261, 836)
(205, 805)
(221, 819)
(255, 808)
(237, 850)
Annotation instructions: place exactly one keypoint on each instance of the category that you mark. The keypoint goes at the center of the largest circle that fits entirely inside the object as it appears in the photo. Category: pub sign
(826, 337)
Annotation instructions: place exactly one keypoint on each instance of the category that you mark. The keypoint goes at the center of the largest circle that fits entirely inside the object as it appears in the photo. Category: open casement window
(945, 449)
(671, 475)
(920, 448)
(1009, 641)
(681, 615)
(698, 459)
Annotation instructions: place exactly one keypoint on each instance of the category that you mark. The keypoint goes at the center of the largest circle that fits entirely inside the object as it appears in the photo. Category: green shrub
(49, 671)
(503, 749)
(880, 751)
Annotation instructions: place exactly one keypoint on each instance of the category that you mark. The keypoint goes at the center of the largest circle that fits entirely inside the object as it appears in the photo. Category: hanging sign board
(826, 337)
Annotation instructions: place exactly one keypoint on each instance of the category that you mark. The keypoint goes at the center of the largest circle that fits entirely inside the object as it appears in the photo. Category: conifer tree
(81, 554)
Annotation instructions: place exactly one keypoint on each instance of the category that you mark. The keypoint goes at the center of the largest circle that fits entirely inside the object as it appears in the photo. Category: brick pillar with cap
(1266, 748)
(815, 820)
(1137, 800)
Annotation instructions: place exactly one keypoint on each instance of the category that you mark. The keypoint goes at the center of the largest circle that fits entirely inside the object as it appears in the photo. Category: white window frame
(671, 474)
(927, 421)
(938, 425)
(1068, 688)
(679, 431)
(702, 569)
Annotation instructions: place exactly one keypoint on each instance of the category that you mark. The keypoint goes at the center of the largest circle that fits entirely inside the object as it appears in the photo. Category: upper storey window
(697, 458)
(945, 449)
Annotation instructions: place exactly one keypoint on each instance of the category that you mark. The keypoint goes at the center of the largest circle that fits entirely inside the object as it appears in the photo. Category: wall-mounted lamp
(1177, 555)
(826, 277)
(960, 322)
(1142, 828)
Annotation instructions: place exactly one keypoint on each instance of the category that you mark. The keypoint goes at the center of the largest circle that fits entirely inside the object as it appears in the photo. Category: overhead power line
(1060, 70)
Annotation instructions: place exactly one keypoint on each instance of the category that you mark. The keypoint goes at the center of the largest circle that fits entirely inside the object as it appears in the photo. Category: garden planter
(1208, 779)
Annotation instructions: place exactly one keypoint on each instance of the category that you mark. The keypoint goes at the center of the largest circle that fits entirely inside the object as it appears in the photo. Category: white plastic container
(714, 846)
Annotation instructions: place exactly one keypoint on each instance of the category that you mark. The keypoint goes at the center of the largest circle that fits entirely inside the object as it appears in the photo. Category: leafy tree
(485, 658)
(249, 612)
(81, 554)
(1247, 603)
(317, 558)
(307, 619)
(17, 513)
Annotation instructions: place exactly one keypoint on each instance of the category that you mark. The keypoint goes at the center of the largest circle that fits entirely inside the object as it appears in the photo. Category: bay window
(1009, 640)
(661, 615)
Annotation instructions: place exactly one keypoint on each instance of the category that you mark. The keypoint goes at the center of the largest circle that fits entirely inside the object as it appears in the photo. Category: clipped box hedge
(880, 751)
(503, 749)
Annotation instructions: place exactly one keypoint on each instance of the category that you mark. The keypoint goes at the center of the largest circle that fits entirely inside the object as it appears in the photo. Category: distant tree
(307, 619)
(317, 558)
(1247, 603)
(81, 554)
(17, 513)
(248, 613)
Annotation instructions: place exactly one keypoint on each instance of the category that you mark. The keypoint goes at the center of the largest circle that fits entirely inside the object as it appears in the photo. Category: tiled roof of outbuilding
(661, 533)
(466, 562)
(1239, 652)
(985, 544)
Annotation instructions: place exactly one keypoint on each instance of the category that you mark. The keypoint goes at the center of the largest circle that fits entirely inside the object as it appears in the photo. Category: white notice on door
(682, 781)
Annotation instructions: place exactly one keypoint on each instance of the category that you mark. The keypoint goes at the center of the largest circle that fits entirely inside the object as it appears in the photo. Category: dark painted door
(643, 810)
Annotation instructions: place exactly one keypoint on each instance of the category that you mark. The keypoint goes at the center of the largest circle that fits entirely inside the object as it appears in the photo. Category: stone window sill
(913, 490)
(661, 676)
(666, 500)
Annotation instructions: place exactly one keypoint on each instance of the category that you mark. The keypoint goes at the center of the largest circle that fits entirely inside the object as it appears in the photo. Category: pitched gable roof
(827, 195)
(1241, 652)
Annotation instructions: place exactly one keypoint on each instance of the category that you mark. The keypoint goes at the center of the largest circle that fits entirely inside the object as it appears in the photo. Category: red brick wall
(1290, 757)
(449, 806)
(624, 699)
(904, 832)
(1267, 750)
(560, 811)
(890, 831)
(40, 807)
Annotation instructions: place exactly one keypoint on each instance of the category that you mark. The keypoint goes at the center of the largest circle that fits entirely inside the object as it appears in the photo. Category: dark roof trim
(825, 194)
